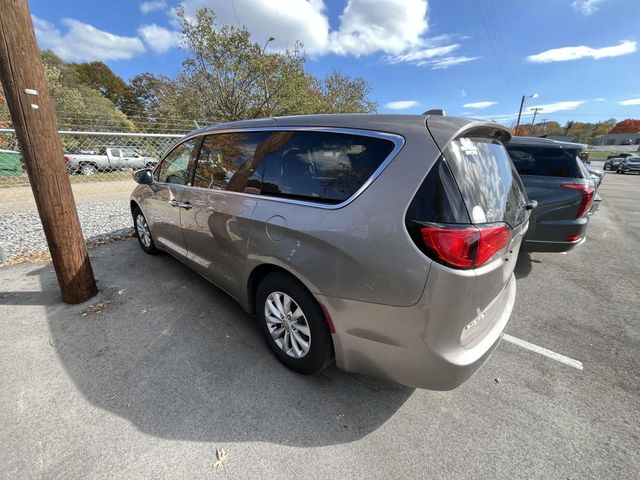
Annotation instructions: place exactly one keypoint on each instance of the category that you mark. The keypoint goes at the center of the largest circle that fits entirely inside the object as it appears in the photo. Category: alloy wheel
(287, 324)
(143, 230)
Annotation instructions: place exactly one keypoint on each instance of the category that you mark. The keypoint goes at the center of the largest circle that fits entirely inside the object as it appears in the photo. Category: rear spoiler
(445, 129)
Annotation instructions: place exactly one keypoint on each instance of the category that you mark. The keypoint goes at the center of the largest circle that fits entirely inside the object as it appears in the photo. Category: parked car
(561, 184)
(612, 163)
(629, 165)
(350, 235)
(107, 159)
(619, 155)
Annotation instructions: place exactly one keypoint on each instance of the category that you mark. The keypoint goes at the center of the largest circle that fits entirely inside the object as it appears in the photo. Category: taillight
(465, 246)
(66, 160)
(587, 196)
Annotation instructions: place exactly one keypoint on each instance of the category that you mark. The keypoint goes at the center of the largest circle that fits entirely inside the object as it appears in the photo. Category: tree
(627, 126)
(153, 101)
(98, 76)
(342, 94)
(227, 77)
(81, 106)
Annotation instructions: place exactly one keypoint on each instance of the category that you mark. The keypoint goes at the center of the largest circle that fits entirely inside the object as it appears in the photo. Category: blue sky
(470, 57)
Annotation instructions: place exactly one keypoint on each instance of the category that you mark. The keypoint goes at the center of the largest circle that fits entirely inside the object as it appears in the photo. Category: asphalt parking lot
(149, 378)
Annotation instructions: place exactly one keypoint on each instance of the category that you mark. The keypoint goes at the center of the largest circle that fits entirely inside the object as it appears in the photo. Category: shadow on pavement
(169, 352)
(524, 265)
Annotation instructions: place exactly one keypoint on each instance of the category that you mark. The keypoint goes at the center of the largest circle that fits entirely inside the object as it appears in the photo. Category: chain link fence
(89, 156)
(99, 165)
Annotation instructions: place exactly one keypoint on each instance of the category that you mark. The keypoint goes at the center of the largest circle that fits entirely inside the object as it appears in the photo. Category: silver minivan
(387, 242)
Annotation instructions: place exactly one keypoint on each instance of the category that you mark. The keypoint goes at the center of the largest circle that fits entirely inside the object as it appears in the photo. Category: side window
(230, 161)
(325, 167)
(175, 166)
(115, 152)
(128, 152)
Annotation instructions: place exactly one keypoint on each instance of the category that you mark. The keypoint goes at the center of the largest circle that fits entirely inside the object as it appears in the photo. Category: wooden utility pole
(34, 120)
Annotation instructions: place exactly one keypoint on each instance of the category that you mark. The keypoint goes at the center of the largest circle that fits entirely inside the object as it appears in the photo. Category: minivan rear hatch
(495, 201)
(492, 193)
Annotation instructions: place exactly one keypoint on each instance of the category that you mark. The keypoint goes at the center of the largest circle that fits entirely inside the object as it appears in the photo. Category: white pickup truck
(106, 160)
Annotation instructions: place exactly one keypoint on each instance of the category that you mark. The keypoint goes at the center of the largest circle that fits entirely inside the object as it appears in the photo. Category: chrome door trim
(398, 141)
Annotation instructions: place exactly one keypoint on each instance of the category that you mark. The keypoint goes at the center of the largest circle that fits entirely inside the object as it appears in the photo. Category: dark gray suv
(555, 177)
(387, 242)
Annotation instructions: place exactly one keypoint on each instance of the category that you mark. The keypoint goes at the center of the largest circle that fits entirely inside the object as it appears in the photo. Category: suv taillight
(66, 160)
(587, 196)
(465, 246)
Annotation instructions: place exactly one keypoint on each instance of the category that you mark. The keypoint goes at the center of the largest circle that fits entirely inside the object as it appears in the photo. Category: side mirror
(143, 176)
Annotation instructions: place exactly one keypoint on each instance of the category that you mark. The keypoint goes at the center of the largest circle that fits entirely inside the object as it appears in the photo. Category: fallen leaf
(221, 457)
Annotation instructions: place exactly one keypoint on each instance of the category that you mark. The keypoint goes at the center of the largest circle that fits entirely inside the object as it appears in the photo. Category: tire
(319, 351)
(88, 169)
(139, 226)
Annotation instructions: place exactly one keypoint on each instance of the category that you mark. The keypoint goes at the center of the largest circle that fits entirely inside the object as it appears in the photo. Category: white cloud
(420, 55)
(631, 101)
(587, 7)
(288, 21)
(83, 42)
(556, 107)
(395, 28)
(561, 106)
(389, 26)
(159, 39)
(401, 104)
(446, 62)
(574, 53)
(479, 105)
(152, 6)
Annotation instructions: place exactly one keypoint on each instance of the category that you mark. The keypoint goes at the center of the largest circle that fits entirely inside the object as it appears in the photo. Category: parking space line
(543, 351)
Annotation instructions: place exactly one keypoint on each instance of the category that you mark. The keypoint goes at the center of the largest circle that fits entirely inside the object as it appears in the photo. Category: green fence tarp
(10, 163)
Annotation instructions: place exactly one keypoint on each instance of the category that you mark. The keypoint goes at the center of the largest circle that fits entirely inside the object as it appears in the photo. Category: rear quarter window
(545, 161)
(324, 167)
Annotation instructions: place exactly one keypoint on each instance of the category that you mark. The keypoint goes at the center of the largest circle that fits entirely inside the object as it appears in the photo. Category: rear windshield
(490, 186)
(545, 161)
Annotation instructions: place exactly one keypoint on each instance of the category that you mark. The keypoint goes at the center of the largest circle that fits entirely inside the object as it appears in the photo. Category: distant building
(618, 139)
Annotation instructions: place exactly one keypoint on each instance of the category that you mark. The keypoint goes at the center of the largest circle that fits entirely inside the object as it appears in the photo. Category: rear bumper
(425, 345)
(551, 235)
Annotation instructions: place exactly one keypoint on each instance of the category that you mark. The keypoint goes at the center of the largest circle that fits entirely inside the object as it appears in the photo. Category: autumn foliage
(626, 126)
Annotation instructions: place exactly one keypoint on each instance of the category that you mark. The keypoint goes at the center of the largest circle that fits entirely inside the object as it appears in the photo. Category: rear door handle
(185, 205)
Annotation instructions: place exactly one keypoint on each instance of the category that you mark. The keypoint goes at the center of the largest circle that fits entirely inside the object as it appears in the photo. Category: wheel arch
(258, 273)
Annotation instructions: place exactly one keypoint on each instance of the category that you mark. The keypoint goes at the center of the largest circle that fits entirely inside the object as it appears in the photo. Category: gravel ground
(21, 232)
